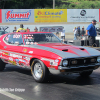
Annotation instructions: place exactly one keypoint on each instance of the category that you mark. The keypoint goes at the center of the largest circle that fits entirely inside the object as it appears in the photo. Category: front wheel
(86, 73)
(2, 65)
(39, 71)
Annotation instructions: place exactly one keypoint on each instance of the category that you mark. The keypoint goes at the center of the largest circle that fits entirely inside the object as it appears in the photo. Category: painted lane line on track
(11, 95)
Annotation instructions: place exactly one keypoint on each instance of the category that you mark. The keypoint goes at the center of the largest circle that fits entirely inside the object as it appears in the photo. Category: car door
(13, 48)
(14, 43)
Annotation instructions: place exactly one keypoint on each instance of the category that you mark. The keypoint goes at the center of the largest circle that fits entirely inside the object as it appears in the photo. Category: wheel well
(32, 60)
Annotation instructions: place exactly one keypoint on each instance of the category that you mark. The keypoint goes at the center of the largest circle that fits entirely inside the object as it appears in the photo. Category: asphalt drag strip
(18, 84)
(12, 96)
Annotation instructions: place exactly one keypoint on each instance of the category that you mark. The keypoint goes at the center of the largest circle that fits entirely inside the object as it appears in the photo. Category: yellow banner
(50, 15)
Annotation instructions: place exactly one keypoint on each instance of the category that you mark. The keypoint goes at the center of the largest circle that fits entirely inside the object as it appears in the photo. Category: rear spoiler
(3, 28)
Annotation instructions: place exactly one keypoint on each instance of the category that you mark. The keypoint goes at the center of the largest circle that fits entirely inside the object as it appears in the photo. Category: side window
(17, 39)
(14, 39)
(9, 38)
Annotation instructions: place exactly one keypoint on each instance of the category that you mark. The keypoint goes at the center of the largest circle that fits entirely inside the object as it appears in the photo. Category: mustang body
(44, 53)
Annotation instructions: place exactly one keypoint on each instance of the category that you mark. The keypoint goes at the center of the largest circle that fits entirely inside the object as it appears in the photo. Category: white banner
(52, 29)
(82, 15)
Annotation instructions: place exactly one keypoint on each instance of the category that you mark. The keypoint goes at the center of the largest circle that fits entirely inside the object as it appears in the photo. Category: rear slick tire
(39, 71)
(2, 65)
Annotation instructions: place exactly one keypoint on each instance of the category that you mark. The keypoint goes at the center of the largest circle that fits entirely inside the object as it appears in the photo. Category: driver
(43, 37)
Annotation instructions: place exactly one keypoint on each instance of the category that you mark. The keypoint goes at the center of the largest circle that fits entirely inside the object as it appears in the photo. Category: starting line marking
(11, 95)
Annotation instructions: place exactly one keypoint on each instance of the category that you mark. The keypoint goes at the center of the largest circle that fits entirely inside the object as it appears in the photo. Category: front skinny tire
(86, 73)
(39, 71)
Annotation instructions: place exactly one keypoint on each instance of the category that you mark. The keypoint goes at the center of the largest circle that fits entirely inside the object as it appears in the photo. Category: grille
(82, 61)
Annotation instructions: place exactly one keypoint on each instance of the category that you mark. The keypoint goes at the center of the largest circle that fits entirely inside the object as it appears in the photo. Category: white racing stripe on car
(12, 96)
(47, 59)
(15, 53)
(52, 62)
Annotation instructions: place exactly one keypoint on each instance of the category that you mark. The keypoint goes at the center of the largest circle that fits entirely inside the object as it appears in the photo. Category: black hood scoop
(65, 50)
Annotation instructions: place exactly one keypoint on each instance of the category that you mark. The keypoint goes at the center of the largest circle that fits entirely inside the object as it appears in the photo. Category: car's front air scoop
(65, 50)
(81, 48)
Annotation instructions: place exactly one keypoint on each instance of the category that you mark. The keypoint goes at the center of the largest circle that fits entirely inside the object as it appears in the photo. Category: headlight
(65, 63)
(98, 59)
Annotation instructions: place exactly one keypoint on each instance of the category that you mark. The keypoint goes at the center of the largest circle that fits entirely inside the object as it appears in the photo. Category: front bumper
(74, 69)
(78, 66)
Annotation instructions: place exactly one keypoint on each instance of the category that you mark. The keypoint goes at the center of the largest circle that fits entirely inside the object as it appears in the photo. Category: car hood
(70, 50)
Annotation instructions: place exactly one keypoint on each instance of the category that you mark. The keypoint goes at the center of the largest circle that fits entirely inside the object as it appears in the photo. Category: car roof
(28, 32)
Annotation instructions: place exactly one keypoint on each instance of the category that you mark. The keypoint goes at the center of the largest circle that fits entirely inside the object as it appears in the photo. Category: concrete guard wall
(68, 26)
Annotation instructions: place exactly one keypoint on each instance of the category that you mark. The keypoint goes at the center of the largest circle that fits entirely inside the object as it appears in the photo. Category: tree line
(48, 4)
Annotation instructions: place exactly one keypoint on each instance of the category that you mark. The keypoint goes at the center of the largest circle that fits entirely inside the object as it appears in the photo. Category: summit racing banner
(82, 15)
(17, 15)
(0, 15)
(50, 15)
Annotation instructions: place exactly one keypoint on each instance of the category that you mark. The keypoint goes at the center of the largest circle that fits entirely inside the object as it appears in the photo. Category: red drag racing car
(44, 53)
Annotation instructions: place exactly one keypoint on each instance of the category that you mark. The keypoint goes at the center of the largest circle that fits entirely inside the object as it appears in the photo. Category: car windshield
(40, 38)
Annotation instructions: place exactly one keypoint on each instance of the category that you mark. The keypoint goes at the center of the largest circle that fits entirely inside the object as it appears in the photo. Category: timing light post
(53, 4)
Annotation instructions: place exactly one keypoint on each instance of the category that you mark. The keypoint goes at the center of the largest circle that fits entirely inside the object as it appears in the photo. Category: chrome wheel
(38, 72)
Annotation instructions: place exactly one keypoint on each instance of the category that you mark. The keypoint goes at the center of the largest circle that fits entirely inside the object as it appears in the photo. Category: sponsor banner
(52, 29)
(0, 15)
(50, 15)
(17, 15)
(82, 15)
